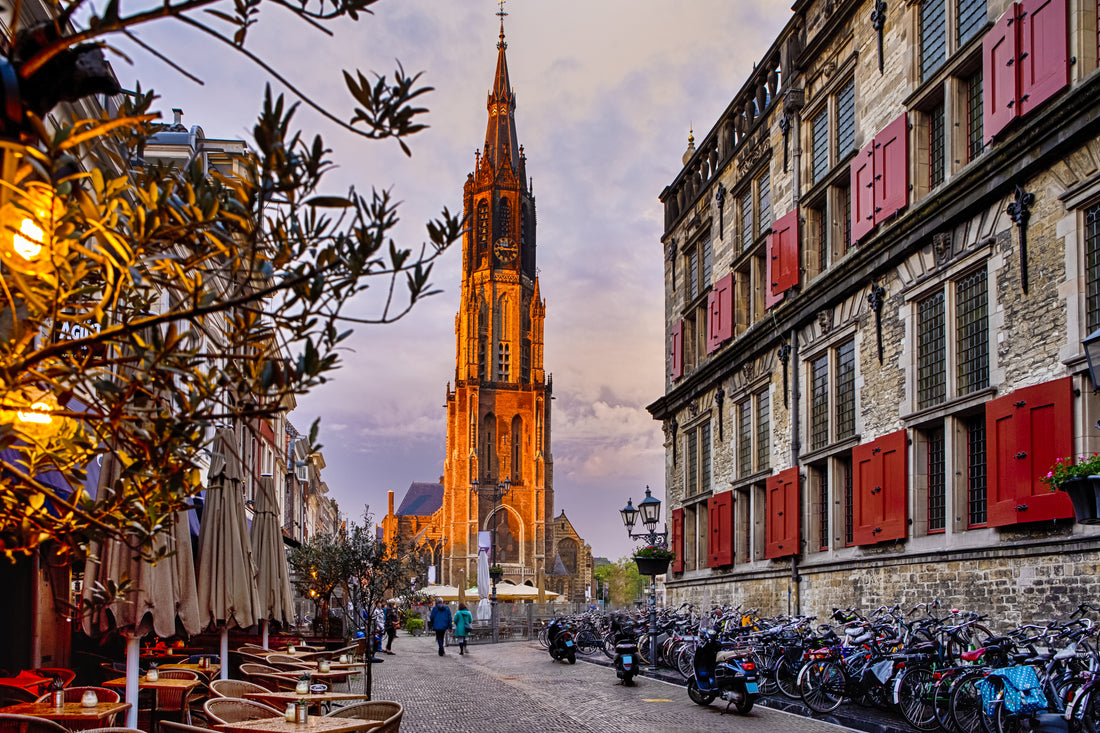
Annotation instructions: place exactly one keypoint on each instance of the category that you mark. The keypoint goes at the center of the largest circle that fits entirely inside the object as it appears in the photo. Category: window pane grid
(819, 132)
(846, 118)
(971, 15)
(763, 434)
(848, 518)
(975, 471)
(846, 390)
(746, 219)
(704, 458)
(744, 437)
(931, 359)
(846, 217)
(1092, 268)
(823, 511)
(974, 130)
(819, 403)
(933, 36)
(765, 188)
(936, 146)
(937, 482)
(692, 463)
(822, 241)
(708, 264)
(972, 332)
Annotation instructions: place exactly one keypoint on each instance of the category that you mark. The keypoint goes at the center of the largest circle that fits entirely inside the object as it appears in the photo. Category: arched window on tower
(504, 363)
(481, 358)
(525, 374)
(517, 450)
(473, 426)
(504, 218)
(482, 229)
(485, 454)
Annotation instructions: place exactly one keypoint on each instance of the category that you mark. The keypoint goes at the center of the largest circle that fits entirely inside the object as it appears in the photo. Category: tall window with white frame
(931, 351)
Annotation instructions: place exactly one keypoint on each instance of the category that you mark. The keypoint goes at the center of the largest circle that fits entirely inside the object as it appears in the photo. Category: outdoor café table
(315, 699)
(162, 683)
(316, 724)
(331, 677)
(70, 712)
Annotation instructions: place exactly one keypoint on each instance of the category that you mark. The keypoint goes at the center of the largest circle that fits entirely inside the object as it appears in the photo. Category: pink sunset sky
(606, 92)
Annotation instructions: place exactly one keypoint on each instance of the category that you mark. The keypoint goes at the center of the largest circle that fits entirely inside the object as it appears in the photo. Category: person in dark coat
(441, 622)
(391, 626)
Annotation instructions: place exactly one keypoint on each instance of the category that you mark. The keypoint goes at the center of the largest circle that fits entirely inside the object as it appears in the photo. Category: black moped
(729, 674)
(562, 645)
(626, 651)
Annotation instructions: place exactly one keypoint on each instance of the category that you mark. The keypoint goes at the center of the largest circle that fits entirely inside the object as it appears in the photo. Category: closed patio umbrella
(226, 572)
(163, 599)
(272, 576)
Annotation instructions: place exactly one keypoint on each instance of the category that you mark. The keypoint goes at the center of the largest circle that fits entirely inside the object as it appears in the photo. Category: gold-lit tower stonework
(498, 472)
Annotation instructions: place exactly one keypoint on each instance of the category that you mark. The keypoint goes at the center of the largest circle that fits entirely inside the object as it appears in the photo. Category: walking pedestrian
(463, 621)
(378, 625)
(441, 622)
(391, 626)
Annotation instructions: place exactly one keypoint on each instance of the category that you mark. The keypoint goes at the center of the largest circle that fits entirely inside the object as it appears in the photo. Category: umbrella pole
(133, 652)
(263, 625)
(225, 652)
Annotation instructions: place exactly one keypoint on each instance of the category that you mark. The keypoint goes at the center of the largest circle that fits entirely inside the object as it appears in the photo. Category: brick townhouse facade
(880, 263)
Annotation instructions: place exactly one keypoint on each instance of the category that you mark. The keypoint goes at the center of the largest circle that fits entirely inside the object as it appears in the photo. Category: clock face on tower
(505, 250)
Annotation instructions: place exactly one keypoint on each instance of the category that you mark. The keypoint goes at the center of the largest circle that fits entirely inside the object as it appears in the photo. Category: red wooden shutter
(771, 271)
(892, 168)
(1000, 80)
(677, 347)
(863, 192)
(1044, 51)
(782, 527)
(678, 540)
(880, 498)
(1027, 430)
(720, 530)
(720, 308)
(784, 253)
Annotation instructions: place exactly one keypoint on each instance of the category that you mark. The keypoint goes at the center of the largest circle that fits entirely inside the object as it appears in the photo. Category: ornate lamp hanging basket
(1084, 492)
(652, 565)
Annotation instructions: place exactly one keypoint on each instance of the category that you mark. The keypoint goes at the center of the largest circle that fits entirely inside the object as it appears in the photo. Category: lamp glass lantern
(1091, 343)
(650, 508)
(629, 514)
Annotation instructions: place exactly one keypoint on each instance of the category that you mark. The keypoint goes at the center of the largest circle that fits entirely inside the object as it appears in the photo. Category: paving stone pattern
(515, 686)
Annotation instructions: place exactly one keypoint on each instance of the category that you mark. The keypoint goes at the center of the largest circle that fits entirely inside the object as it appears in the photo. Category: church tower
(498, 472)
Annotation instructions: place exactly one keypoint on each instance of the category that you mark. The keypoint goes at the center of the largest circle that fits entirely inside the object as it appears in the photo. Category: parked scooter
(562, 645)
(626, 650)
(729, 674)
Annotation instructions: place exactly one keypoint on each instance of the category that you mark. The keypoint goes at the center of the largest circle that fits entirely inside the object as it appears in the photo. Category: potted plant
(496, 572)
(414, 625)
(653, 560)
(1081, 480)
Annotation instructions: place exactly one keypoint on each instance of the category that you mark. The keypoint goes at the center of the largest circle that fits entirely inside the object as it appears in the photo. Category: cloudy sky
(606, 92)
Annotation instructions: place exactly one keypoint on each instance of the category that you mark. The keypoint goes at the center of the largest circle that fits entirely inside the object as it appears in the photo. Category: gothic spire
(500, 135)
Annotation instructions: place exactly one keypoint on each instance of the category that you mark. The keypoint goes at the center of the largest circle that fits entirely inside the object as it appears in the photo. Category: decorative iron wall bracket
(878, 22)
(876, 299)
(785, 359)
(1020, 212)
(785, 128)
(719, 398)
(720, 199)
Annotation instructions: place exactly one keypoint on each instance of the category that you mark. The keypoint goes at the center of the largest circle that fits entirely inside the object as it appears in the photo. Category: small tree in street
(142, 305)
(623, 582)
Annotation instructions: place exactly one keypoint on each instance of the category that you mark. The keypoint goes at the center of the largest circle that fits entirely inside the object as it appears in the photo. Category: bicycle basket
(1022, 691)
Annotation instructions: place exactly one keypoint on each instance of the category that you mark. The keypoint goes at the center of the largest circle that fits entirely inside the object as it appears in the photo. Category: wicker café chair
(113, 729)
(273, 682)
(171, 726)
(67, 675)
(288, 663)
(222, 710)
(28, 724)
(388, 712)
(14, 694)
(235, 688)
(73, 694)
(249, 668)
(176, 702)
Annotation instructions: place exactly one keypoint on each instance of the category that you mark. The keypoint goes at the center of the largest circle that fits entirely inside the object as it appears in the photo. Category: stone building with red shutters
(880, 264)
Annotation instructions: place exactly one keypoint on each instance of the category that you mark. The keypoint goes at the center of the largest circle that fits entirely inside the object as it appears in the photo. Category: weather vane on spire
(501, 14)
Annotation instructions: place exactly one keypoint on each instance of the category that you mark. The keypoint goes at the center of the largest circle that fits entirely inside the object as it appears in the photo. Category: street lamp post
(650, 509)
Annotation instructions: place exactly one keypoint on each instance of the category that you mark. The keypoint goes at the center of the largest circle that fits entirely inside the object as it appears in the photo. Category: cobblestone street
(517, 687)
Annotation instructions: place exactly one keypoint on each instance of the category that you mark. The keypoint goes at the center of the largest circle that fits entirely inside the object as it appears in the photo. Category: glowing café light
(28, 242)
(39, 414)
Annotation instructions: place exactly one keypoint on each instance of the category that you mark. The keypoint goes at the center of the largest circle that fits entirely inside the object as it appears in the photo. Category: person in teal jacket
(463, 622)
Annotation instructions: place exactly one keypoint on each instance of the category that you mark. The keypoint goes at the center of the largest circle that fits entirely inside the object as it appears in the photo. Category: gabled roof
(421, 500)
(559, 567)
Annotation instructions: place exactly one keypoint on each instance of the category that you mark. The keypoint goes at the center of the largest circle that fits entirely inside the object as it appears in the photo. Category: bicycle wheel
(822, 684)
(609, 645)
(544, 637)
(766, 660)
(967, 640)
(685, 660)
(914, 698)
(644, 648)
(786, 678)
(941, 701)
(966, 702)
(587, 642)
